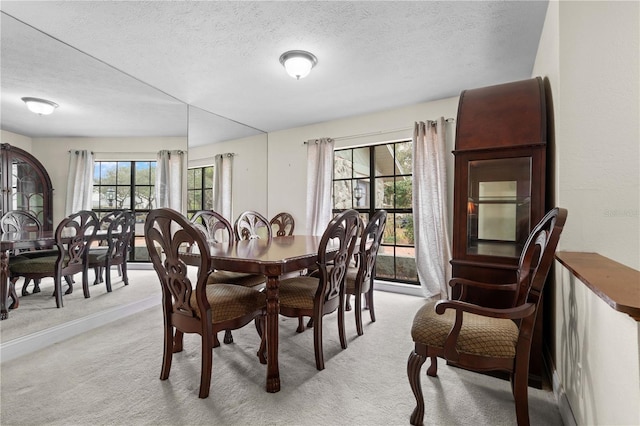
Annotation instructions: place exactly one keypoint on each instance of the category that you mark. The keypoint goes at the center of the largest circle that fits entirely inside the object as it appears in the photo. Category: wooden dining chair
(318, 296)
(483, 339)
(359, 279)
(219, 230)
(113, 248)
(202, 309)
(282, 224)
(250, 225)
(72, 237)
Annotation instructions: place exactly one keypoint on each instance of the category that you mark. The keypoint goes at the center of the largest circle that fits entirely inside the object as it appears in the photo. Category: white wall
(589, 52)
(53, 153)
(22, 142)
(249, 171)
(287, 167)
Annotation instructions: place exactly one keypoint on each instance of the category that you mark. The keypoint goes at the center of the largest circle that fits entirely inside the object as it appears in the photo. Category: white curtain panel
(79, 181)
(223, 185)
(319, 183)
(433, 247)
(169, 179)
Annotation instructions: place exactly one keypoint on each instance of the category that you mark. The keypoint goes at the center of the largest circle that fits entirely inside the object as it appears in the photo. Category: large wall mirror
(114, 115)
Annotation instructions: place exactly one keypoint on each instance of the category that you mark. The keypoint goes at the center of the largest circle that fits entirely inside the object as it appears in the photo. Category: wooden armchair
(484, 339)
(359, 279)
(283, 224)
(318, 296)
(202, 309)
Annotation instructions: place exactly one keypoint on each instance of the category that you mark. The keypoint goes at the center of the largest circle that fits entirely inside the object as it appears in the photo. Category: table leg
(4, 284)
(273, 311)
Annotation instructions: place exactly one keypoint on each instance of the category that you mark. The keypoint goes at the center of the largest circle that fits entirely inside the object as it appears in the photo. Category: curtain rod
(380, 132)
(128, 152)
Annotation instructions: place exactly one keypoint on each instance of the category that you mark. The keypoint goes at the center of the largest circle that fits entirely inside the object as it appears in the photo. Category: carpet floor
(110, 376)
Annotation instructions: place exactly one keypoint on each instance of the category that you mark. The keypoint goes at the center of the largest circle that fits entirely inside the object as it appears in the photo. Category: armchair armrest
(451, 353)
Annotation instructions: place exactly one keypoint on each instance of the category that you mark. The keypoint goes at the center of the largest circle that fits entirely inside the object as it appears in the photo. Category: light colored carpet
(110, 376)
(38, 311)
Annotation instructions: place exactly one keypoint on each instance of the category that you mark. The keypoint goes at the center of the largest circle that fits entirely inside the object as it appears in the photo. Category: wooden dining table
(10, 241)
(272, 258)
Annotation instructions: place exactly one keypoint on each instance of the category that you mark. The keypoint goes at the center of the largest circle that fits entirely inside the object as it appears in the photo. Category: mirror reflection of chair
(72, 237)
(22, 221)
(359, 279)
(282, 224)
(250, 225)
(219, 230)
(318, 296)
(114, 248)
(483, 339)
(202, 309)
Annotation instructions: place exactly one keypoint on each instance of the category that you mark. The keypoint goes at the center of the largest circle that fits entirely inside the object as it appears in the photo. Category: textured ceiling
(222, 57)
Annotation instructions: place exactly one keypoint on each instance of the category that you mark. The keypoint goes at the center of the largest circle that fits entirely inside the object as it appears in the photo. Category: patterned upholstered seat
(480, 338)
(229, 302)
(479, 335)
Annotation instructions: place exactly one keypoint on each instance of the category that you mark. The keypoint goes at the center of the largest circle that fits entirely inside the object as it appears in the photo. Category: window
(380, 177)
(199, 189)
(128, 185)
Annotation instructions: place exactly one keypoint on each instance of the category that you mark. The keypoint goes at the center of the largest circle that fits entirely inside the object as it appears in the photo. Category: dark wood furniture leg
(4, 284)
(273, 312)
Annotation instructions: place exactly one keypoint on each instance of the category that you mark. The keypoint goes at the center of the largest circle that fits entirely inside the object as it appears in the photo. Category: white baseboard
(391, 287)
(24, 345)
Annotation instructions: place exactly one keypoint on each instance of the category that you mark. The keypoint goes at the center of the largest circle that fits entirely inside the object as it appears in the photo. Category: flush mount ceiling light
(298, 63)
(40, 106)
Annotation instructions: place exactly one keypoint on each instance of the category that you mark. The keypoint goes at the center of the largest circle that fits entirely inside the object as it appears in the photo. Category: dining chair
(250, 225)
(72, 237)
(318, 296)
(202, 309)
(113, 248)
(359, 279)
(478, 338)
(20, 221)
(282, 224)
(219, 230)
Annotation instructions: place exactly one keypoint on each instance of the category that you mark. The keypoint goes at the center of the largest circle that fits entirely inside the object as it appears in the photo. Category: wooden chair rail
(618, 285)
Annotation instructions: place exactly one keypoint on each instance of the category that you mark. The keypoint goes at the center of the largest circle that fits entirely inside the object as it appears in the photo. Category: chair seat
(38, 265)
(37, 253)
(97, 255)
(298, 292)
(230, 301)
(479, 335)
(236, 278)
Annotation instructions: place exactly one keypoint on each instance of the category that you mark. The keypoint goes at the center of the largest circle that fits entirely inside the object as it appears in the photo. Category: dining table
(14, 241)
(272, 258)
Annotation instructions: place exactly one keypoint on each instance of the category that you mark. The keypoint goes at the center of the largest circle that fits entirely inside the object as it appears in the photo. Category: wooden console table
(616, 284)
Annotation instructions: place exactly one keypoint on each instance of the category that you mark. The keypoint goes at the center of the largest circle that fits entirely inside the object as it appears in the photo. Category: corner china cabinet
(499, 189)
(25, 185)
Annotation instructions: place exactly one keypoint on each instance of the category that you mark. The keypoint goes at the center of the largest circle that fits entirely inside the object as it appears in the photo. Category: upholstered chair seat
(479, 335)
(298, 292)
(229, 302)
(36, 265)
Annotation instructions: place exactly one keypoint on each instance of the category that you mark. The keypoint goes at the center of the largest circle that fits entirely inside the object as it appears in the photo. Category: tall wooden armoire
(499, 189)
